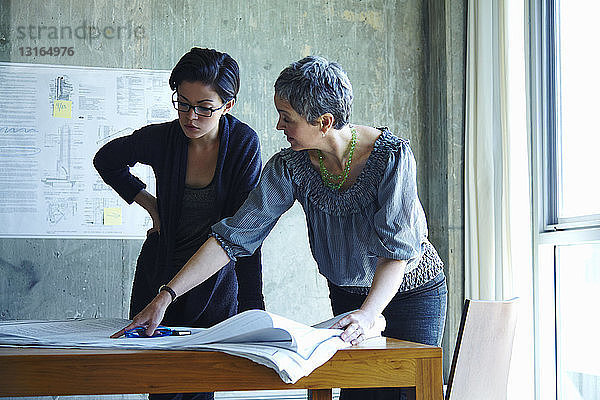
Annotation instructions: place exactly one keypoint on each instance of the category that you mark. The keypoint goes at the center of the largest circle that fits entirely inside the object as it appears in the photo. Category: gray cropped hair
(314, 86)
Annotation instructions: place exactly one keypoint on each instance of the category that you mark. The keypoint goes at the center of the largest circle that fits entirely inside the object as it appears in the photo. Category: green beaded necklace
(334, 181)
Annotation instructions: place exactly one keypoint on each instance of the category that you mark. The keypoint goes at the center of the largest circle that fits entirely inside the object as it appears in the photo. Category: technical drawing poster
(53, 119)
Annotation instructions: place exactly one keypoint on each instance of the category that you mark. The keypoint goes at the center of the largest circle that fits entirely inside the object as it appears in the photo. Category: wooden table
(378, 362)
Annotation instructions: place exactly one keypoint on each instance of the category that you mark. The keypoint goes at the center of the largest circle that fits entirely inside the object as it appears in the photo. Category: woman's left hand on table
(355, 325)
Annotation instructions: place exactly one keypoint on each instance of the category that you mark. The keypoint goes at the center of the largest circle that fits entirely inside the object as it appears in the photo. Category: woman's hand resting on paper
(355, 325)
(150, 317)
(387, 279)
(209, 259)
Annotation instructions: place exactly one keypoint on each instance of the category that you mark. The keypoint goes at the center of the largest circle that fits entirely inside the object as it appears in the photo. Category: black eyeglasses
(199, 110)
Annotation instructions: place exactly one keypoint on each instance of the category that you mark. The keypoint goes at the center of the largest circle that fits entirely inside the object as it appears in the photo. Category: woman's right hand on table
(150, 317)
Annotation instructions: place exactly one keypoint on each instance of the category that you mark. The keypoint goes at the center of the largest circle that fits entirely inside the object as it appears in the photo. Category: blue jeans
(417, 315)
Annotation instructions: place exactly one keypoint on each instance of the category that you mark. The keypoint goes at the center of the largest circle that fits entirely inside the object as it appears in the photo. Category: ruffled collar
(362, 192)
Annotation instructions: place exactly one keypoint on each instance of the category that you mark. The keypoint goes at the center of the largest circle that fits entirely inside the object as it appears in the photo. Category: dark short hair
(211, 67)
(314, 86)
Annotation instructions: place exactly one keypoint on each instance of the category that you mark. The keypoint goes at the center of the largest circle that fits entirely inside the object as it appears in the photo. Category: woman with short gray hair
(366, 226)
(314, 86)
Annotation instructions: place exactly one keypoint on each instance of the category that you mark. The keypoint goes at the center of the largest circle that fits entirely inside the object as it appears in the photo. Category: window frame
(550, 231)
(551, 80)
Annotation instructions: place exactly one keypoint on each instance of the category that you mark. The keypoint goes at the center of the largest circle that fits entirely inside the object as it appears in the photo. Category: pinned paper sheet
(112, 216)
(62, 108)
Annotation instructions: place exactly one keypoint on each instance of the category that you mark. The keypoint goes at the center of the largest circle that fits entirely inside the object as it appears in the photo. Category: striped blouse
(380, 215)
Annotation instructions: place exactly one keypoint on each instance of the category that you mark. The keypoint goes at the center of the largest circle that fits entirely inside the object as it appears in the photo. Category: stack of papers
(292, 349)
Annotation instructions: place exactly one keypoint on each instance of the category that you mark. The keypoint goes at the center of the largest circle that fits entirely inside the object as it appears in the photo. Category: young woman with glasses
(205, 162)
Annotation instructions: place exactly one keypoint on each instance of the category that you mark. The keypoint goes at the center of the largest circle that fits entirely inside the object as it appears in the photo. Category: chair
(483, 349)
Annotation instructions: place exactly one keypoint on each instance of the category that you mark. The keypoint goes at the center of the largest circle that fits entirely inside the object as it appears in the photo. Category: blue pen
(140, 332)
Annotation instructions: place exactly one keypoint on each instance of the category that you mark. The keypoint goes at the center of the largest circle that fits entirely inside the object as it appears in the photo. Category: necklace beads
(335, 181)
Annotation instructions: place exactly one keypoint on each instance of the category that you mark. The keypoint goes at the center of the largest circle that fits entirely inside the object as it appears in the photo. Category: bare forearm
(147, 201)
(387, 280)
(208, 259)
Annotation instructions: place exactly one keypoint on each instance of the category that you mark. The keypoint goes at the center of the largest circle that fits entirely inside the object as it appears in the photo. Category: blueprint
(53, 119)
(292, 349)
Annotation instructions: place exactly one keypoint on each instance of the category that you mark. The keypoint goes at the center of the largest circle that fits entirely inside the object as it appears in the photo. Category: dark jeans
(417, 315)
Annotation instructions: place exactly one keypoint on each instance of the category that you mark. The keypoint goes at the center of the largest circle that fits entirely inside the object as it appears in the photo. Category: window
(566, 158)
(578, 296)
(578, 107)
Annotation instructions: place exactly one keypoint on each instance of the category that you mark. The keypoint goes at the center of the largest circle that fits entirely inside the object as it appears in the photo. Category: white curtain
(488, 274)
(498, 261)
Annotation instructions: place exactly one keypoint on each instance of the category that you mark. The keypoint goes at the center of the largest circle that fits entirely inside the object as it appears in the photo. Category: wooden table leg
(430, 383)
(320, 394)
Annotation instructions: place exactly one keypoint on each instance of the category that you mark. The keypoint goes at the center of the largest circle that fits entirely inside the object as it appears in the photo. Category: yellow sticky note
(112, 216)
(62, 109)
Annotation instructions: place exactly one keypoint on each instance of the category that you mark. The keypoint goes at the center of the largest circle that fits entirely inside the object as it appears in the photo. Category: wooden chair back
(483, 349)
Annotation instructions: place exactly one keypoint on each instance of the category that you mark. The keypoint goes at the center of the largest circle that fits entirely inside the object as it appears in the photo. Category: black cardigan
(164, 147)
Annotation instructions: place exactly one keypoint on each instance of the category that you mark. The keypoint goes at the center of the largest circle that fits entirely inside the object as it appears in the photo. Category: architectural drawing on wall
(48, 138)
(61, 88)
(157, 109)
(94, 209)
(19, 151)
(61, 97)
(106, 134)
(158, 112)
(61, 175)
(59, 210)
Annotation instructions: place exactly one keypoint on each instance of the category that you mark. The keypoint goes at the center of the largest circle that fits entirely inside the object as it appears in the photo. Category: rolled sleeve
(399, 224)
(227, 246)
(241, 234)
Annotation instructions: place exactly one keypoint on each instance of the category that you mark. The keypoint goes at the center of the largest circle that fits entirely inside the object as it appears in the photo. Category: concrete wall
(405, 59)
(444, 201)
